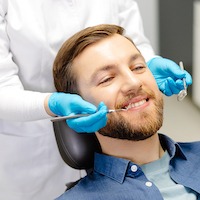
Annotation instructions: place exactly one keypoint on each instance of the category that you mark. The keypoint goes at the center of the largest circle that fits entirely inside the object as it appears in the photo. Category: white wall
(149, 13)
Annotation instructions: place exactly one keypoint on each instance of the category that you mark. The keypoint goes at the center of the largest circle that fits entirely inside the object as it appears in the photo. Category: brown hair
(64, 78)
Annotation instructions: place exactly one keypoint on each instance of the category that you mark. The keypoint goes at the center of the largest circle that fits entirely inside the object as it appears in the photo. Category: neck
(139, 152)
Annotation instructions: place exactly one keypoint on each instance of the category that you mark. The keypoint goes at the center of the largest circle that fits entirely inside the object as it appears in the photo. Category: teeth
(133, 105)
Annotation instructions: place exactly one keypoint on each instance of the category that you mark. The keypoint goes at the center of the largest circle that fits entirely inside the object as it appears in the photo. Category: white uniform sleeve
(131, 20)
(15, 103)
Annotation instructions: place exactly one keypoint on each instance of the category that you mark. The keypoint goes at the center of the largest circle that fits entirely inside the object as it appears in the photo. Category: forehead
(108, 51)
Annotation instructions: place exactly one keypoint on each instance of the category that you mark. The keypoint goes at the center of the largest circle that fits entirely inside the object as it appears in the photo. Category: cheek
(155, 86)
(108, 95)
(92, 96)
(149, 80)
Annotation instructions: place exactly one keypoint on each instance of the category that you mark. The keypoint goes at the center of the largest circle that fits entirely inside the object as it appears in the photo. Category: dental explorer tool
(183, 93)
(55, 119)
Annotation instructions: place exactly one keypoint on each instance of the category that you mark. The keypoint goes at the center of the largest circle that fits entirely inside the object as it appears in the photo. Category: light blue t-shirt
(158, 173)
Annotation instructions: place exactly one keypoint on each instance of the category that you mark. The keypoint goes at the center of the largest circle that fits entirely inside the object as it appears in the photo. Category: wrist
(46, 106)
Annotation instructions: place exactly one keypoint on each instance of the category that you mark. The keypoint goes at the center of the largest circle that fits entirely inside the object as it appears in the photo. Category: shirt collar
(172, 147)
(112, 167)
(116, 168)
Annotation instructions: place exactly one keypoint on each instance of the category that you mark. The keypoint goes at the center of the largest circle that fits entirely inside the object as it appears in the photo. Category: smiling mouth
(136, 104)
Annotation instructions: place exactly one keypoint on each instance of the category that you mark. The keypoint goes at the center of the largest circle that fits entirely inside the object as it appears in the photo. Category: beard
(140, 127)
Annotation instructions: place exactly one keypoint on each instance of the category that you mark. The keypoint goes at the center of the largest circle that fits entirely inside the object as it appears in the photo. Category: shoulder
(190, 147)
(87, 188)
(190, 150)
(93, 186)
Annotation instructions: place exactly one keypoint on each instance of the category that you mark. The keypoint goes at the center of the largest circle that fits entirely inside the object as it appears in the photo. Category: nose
(131, 83)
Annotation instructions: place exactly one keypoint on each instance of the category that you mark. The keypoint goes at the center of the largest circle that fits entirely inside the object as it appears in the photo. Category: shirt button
(134, 168)
(148, 184)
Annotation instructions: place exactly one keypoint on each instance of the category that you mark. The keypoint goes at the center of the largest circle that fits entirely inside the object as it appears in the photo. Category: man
(102, 65)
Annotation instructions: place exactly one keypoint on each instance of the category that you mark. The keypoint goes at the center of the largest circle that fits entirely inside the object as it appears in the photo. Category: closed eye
(106, 80)
(138, 68)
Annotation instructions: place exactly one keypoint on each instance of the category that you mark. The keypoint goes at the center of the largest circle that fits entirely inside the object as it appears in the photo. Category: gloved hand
(63, 104)
(91, 123)
(168, 75)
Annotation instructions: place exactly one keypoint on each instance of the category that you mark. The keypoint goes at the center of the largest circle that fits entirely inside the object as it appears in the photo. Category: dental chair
(76, 149)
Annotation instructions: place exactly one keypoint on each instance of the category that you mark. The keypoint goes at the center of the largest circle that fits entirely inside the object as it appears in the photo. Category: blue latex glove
(63, 104)
(91, 123)
(168, 75)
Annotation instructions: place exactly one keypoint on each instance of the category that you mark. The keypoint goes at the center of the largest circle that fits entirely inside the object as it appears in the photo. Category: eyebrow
(109, 67)
(135, 57)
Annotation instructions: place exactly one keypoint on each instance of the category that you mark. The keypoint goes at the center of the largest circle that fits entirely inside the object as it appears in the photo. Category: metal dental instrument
(55, 119)
(183, 93)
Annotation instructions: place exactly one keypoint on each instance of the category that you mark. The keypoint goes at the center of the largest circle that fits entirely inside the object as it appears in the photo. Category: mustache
(142, 92)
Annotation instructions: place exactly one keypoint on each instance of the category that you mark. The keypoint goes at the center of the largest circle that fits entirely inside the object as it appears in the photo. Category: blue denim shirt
(113, 178)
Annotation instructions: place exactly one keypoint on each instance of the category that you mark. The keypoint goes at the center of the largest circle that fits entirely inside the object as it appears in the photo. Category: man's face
(113, 71)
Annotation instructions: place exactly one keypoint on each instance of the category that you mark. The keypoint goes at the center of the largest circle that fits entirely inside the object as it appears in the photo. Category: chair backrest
(76, 149)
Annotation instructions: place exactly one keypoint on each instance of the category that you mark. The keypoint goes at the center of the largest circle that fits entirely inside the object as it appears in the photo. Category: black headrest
(76, 149)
